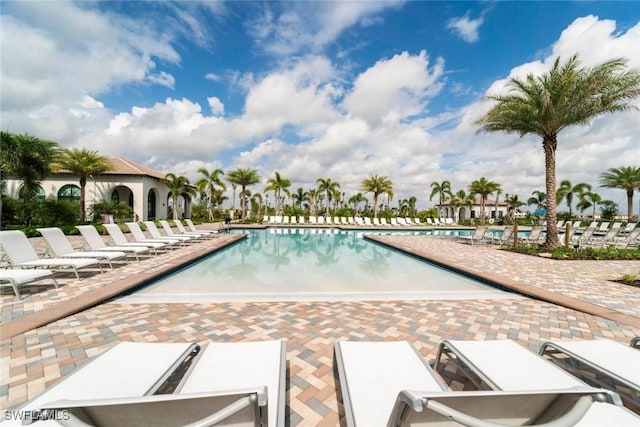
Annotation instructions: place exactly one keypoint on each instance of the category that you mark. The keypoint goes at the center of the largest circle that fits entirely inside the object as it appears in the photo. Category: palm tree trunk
(629, 205)
(549, 144)
(82, 203)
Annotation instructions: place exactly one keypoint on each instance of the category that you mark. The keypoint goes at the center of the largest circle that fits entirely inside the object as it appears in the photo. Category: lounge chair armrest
(569, 419)
(227, 411)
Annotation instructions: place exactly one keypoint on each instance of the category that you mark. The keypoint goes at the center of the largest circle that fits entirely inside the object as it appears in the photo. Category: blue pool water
(311, 264)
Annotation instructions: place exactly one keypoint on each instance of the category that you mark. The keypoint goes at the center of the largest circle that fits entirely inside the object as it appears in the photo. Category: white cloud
(45, 59)
(302, 26)
(217, 107)
(163, 79)
(400, 87)
(466, 28)
(213, 77)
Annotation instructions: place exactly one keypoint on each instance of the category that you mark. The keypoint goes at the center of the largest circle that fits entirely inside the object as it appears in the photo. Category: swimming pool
(311, 264)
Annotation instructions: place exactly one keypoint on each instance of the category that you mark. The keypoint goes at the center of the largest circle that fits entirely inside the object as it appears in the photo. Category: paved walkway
(32, 361)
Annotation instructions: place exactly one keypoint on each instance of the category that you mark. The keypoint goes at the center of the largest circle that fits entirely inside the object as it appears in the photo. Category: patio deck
(32, 360)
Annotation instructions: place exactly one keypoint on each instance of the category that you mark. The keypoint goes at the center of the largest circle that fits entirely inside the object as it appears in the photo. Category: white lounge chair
(62, 248)
(239, 384)
(507, 366)
(602, 363)
(477, 237)
(372, 374)
(300, 219)
(140, 237)
(238, 365)
(15, 278)
(21, 254)
(119, 239)
(95, 242)
(390, 384)
(193, 228)
(196, 234)
(127, 369)
(155, 232)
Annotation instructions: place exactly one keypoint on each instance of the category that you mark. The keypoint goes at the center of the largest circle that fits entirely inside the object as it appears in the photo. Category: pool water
(311, 264)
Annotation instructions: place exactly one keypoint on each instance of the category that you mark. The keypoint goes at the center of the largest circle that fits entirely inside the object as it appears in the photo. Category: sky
(340, 90)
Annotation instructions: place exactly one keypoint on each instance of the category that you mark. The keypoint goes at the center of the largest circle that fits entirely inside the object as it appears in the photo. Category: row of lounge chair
(342, 220)
(390, 384)
(381, 383)
(28, 267)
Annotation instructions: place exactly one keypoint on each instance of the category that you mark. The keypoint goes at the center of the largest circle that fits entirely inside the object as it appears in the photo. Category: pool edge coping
(521, 288)
(99, 295)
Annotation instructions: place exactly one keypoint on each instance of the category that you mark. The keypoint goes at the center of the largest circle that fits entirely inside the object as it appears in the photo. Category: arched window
(40, 192)
(115, 197)
(131, 200)
(151, 205)
(70, 193)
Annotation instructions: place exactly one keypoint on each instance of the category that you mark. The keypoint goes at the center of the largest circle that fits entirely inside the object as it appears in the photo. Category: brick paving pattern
(34, 360)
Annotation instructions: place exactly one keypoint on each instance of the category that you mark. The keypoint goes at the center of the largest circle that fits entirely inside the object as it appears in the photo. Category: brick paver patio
(33, 360)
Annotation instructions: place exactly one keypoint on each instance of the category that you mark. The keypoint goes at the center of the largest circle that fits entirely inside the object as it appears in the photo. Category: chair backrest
(57, 241)
(167, 228)
(300, 219)
(238, 408)
(136, 231)
(493, 408)
(17, 247)
(152, 229)
(116, 234)
(192, 227)
(180, 227)
(92, 237)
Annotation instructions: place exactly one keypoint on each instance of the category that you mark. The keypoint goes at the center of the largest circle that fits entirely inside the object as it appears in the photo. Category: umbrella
(542, 211)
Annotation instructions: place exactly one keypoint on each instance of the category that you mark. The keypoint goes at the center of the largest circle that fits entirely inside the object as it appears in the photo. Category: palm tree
(28, 159)
(459, 199)
(207, 184)
(300, 196)
(513, 203)
(442, 190)
(178, 187)
(83, 163)
(243, 177)
(328, 186)
(567, 190)
(377, 185)
(483, 188)
(495, 209)
(538, 198)
(626, 178)
(278, 184)
(313, 200)
(588, 200)
(564, 96)
(355, 200)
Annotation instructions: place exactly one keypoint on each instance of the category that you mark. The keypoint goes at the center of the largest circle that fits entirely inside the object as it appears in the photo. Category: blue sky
(339, 90)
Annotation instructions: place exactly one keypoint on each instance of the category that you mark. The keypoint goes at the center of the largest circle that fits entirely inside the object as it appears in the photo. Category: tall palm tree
(178, 187)
(566, 95)
(356, 199)
(626, 178)
(28, 159)
(313, 200)
(588, 200)
(567, 191)
(513, 203)
(328, 186)
(83, 163)
(377, 185)
(538, 198)
(458, 200)
(300, 196)
(207, 184)
(278, 185)
(243, 177)
(442, 190)
(483, 187)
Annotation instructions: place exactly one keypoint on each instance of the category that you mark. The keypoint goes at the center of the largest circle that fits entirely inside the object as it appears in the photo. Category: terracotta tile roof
(127, 167)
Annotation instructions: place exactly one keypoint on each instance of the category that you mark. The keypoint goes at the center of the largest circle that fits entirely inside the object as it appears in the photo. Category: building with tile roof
(130, 182)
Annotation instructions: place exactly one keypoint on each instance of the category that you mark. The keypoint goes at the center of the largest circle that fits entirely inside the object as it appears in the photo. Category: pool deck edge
(96, 296)
(524, 289)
